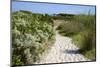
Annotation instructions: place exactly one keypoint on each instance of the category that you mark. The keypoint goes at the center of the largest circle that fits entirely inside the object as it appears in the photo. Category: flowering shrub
(31, 33)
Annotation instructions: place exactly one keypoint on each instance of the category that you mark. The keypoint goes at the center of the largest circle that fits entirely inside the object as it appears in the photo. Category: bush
(70, 28)
(31, 33)
(85, 40)
(16, 60)
(91, 54)
(83, 31)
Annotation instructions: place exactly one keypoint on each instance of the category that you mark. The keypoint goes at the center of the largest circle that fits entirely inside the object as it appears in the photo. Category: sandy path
(62, 51)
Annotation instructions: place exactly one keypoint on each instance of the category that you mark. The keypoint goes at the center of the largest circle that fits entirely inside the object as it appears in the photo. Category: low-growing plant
(30, 34)
(85, 40)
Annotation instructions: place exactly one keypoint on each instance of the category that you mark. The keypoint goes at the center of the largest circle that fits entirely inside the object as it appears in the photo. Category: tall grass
(83, 32)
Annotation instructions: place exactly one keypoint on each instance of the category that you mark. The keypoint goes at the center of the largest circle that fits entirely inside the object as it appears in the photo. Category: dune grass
(83, 32)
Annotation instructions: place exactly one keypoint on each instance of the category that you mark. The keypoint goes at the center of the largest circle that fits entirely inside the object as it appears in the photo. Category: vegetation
(62, 16)
(82, 30)
(70, 28)
(32, 35)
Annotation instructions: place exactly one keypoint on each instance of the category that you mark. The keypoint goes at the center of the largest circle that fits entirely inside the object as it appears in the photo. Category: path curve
(64, 50)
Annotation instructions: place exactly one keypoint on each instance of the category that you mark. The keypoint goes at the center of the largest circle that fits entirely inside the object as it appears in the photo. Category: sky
(51, 8)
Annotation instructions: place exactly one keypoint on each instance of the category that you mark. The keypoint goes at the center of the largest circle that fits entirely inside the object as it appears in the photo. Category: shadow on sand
(72, 51)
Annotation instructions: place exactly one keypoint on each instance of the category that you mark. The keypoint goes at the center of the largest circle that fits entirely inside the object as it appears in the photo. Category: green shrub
(85, 40)
(16, 60)
(91, 54)
(82, 29)
(30, 34)
(70, 28)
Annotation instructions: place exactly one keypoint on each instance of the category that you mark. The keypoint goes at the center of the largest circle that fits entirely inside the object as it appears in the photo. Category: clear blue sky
(52, 8)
